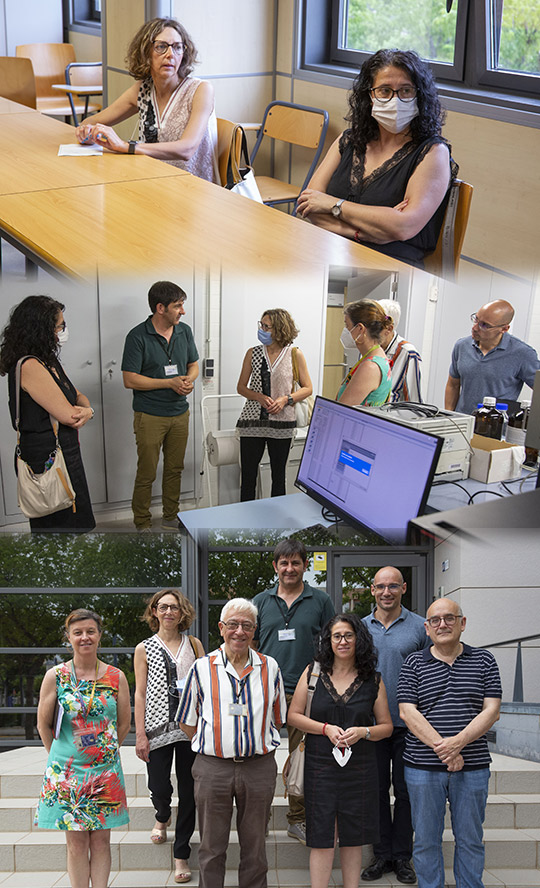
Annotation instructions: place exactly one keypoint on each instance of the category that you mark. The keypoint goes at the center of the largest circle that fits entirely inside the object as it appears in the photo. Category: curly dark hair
(365, 655)
(285, 330)
(30, 331)
(430, 118)
(140, 48)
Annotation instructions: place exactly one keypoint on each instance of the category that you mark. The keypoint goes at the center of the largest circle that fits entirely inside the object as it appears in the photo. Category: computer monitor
(372, 471)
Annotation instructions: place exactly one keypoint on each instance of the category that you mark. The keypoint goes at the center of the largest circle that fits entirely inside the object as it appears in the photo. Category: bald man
(396, 633)
(449, 696)
(490, 362)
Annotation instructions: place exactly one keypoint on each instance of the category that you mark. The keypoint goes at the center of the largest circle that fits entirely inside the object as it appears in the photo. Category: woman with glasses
(385, 181)
(34, 335)
(274, 377)
(161, 665)
(349, 713)
(177, 122)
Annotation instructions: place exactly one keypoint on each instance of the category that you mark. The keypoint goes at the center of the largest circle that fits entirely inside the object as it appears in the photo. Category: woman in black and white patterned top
(268, 417)
(161, 665)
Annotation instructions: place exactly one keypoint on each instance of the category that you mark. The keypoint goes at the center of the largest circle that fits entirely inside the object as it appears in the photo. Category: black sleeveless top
(386, 187)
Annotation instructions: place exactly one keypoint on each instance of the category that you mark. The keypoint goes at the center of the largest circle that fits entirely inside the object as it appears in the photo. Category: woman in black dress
(385, 181)
(37, 329)
(349, 711)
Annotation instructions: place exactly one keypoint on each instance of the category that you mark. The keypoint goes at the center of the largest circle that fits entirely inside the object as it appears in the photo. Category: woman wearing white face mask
(37, 329)
(384, 182)
(267, 380)
(369, 381)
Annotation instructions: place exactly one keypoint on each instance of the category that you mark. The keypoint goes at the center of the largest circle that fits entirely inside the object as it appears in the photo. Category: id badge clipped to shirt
(286, 634)
(171, 369)
(238, 709)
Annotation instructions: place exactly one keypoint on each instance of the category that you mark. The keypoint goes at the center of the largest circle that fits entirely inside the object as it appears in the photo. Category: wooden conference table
(124, 213)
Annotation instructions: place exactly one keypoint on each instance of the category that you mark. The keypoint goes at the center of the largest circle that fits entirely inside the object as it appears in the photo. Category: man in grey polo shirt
(491, 362)
(160, 364)
(290, 616)
(396, 633)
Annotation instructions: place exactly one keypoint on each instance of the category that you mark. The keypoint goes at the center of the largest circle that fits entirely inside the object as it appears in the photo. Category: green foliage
(424, 26)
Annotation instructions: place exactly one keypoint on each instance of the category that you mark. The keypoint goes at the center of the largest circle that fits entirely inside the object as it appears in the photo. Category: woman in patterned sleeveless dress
(268, 417)
(84, 715)
(161, 665)
(177, 122)
(369, 381)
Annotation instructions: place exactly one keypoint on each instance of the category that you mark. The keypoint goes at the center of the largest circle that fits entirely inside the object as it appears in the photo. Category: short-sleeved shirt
(148, 353)
(394, 643)
(213, 686)
(306, 616)
(499, 374)
(449, 697)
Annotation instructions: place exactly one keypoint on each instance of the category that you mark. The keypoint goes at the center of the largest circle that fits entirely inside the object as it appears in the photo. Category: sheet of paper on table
(78, 150)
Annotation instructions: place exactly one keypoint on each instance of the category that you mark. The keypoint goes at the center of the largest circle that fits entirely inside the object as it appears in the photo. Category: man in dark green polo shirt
(160, 364)
(290, 616)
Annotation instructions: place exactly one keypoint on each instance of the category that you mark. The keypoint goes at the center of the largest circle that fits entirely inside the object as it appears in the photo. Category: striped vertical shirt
(404, 361)
(449, 697)
(212, 692)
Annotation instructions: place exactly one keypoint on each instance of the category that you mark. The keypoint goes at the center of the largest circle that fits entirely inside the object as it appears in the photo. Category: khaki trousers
(297, 810)
(152, 434)
(251, 784)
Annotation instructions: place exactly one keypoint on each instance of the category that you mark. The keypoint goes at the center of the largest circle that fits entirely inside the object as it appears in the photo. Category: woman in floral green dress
(83, 787)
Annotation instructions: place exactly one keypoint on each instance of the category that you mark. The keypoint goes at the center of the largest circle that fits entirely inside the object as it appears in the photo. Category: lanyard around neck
(85, 709)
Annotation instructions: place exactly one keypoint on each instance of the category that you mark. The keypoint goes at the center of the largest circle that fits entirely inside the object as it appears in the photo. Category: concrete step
(131, 850)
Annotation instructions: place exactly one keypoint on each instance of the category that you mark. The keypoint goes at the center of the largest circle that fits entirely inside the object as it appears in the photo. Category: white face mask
(347, 339)
(395, 115)
(63, 336)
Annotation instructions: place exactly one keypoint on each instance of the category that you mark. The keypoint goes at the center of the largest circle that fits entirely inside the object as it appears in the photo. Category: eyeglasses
(392, 587)
(161, 47)
(163, 608)
(449, 620)
(347, 636)
(245, 625)
(386, 93)
(483, 325)
(60, 327)
(265, 327)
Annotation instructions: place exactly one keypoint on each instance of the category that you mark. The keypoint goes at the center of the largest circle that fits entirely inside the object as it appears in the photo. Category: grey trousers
(218, 783)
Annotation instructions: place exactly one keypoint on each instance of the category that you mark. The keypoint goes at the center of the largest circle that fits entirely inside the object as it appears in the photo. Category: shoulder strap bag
(293, 769)
(303, 409)
(51, 490)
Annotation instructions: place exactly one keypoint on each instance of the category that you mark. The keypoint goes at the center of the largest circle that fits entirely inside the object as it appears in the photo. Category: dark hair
(284, 330)
(140, 48)
(164, 292)
(81, 613)
(30, 331)
(187, 611)
(430, 118)
(289, 547)
(365, 655)
(371, 314)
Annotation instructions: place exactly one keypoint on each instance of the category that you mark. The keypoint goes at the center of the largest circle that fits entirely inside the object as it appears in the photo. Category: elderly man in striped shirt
(232, 707)
(403, 357)
(449, 696)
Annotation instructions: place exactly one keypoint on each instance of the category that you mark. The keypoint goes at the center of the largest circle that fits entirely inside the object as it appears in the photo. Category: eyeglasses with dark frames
(386, 93)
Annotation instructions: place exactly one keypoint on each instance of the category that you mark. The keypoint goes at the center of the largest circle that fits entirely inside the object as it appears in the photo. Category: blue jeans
(466, 792)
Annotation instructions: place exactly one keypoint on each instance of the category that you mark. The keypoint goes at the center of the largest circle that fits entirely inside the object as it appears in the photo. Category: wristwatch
(131, 146)
(290, 401)
(368, 734)
(336, 209)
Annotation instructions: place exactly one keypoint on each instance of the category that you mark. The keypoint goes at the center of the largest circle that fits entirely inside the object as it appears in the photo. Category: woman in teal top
(83, 717)
(369, 381)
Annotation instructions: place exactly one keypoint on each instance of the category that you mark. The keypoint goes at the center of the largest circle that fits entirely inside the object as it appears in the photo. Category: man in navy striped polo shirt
(449, 696)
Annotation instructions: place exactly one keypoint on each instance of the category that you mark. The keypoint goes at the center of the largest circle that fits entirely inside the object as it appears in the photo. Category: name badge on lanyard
(238, 709)
(171, 369)
(286, 634)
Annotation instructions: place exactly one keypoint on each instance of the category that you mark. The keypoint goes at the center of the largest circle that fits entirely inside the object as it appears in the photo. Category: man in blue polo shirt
(160, 364)
(290, 616)
(449, 695)
(491, 362)
(396, 633)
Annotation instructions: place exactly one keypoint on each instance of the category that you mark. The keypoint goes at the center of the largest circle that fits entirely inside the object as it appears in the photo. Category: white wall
(31, 21)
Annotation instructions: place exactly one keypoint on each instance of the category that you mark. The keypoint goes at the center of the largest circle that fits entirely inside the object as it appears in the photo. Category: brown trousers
(218, 783)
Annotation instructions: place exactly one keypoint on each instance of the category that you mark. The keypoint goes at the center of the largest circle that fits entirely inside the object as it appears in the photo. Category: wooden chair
(50, 61)
(444, 260)
(229, 149)
(17, 80)
(297, 125)
(87, 74)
